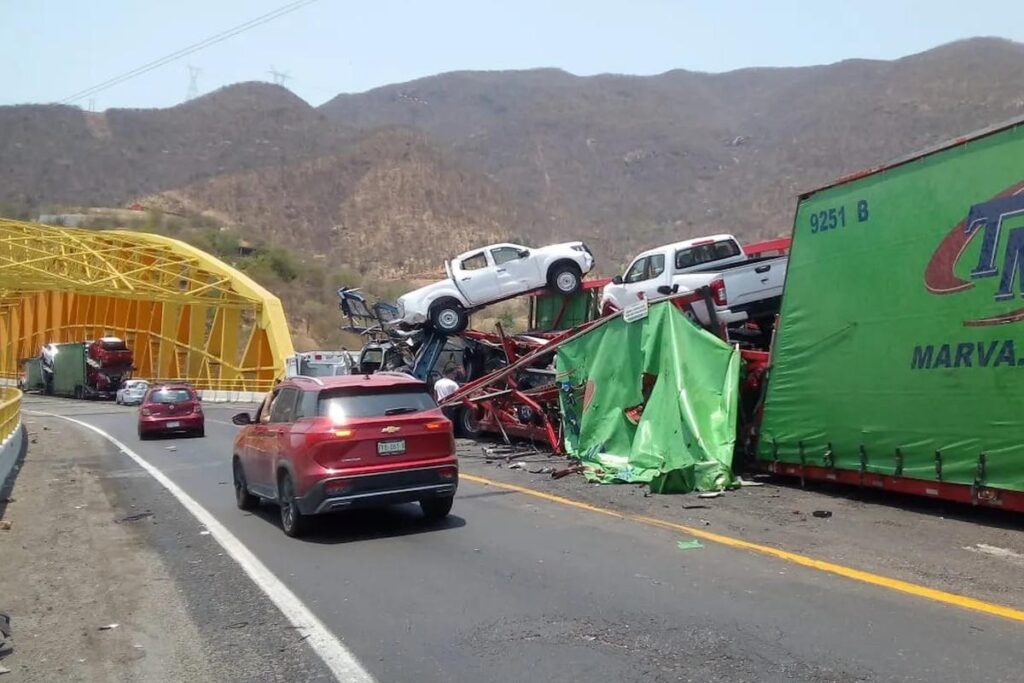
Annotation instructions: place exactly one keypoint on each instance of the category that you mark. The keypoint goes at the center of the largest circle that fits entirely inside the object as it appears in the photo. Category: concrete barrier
(214, 396)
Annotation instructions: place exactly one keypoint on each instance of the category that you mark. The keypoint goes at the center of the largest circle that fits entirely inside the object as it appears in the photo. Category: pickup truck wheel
(449, 316)
(565, 278)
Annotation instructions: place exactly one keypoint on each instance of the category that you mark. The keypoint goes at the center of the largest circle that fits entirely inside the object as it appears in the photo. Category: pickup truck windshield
(700, 254)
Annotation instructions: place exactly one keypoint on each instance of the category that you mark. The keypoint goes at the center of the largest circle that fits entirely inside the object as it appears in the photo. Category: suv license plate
(392, 447)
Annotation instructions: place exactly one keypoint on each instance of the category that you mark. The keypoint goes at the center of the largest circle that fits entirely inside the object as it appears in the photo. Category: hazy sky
(50, 49)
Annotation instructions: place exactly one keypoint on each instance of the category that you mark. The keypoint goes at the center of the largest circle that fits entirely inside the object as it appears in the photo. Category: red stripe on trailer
(958, 493)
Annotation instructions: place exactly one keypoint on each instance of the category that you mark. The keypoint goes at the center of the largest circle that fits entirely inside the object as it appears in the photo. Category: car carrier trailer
(898, 362)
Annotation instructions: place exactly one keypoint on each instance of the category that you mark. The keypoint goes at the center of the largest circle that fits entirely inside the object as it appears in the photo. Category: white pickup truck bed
(743, 288)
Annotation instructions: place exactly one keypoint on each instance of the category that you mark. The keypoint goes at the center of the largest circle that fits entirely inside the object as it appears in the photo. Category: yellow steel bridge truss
(185, 314)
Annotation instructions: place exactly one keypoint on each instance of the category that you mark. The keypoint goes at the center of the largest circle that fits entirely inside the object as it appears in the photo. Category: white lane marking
(339, 659)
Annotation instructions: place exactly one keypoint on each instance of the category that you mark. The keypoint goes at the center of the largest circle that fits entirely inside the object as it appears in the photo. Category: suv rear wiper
(400, 411)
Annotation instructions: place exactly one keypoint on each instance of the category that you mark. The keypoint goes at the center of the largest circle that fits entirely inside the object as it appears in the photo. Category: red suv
(321, 444)
(170, 408)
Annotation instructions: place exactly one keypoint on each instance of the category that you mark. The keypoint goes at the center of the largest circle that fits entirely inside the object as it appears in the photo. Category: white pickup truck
(490, 274)
(742, 288)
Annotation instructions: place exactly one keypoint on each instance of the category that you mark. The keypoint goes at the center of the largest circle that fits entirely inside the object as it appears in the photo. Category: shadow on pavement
(933, 507)
(364, 525)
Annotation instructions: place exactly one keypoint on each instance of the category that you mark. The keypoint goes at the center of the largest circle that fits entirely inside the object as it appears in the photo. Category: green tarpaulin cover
(681, 437)
(901, 343)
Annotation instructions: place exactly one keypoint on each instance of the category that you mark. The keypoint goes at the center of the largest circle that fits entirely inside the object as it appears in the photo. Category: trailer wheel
(565, 278)
(467, 423)
(448, 316)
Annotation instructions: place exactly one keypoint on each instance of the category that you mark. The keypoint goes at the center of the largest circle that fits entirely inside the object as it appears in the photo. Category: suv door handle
(762, 269)
(499, 270)
(465, 279)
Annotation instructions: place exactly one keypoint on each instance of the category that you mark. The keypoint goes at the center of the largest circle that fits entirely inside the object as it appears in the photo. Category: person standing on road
(445, 387)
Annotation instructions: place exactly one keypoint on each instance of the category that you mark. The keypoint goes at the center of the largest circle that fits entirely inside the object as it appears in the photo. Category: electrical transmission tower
(193, 82)
(279, 76)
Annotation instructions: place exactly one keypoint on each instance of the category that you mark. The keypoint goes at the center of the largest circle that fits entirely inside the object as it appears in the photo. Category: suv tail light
(718, 293)
(448, 472)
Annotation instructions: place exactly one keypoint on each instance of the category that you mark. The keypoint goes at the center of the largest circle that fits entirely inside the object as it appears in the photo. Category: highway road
(516, 587)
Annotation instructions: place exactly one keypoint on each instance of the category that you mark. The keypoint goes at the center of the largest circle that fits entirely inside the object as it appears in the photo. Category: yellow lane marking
(803, 560)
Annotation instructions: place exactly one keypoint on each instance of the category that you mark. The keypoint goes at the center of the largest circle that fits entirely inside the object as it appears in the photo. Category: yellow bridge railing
(10, 412)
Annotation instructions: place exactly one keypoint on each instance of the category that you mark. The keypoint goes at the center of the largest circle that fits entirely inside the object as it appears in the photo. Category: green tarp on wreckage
(682, 437)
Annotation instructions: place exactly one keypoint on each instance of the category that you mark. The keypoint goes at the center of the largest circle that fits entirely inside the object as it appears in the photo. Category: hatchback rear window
(170, 396)
(340, 407)
(113, 345)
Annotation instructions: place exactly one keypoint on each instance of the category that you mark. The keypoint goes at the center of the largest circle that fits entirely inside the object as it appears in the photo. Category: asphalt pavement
(515, 588)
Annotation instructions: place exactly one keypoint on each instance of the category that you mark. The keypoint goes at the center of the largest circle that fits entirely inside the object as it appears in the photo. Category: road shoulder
(94, 541)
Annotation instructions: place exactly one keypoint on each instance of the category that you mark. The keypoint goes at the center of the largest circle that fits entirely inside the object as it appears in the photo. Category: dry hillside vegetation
(393, 205)
(390, 181)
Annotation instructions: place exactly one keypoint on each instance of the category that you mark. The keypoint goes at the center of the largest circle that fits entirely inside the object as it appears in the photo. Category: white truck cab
(741, 287)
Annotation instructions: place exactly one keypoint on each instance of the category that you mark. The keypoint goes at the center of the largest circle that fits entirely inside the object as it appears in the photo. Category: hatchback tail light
(146, 412)
(718, 293)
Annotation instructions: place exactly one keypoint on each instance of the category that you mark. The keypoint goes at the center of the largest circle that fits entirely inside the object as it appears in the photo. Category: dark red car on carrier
(322, 444)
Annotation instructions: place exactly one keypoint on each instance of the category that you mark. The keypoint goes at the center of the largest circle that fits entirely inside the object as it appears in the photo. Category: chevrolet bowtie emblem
(390, 430)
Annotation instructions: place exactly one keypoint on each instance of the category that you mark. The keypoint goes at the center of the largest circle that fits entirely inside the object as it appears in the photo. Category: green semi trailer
(32, 374)
(899, 359)
(92, 369)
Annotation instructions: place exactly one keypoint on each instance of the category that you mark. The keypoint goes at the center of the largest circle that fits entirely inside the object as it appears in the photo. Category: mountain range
(395, 179)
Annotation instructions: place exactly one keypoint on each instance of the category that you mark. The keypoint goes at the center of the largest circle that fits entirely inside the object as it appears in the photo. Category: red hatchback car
(170, 409)
(321, 444)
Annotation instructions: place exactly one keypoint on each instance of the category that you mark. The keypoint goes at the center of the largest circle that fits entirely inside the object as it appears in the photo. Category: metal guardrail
(10, 412)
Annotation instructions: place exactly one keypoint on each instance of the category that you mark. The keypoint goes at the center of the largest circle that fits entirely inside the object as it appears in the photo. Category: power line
(195, 47)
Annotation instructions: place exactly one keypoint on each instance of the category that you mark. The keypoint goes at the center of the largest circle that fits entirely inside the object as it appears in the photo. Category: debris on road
(543, 470)
(170, 448)
(204, 532)
(517, 466)
(709, 494)
(689, 545)
(558, 474)
(134, 518)
(5, 525)
(107, 627)
(822, 514)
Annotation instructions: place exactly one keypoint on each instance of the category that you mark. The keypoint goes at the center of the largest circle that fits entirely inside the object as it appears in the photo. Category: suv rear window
(170, 396)
(340, 406)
